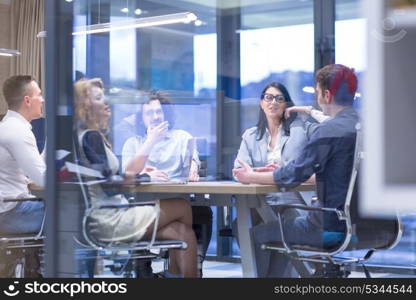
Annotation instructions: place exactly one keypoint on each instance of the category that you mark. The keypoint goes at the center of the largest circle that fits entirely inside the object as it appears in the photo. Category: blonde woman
(92, 113)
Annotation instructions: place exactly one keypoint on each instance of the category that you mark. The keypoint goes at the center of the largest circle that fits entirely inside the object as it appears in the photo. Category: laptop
(183, 178)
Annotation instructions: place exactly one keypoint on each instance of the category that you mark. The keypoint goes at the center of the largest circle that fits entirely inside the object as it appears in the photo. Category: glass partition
(157, 72)
(129, 70)
(352, 50)
(277, 44)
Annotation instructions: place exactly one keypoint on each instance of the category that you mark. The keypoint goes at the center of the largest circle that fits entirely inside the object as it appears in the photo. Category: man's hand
(193, 172)
(156, 134)
(244, 173)
(156, 175)
(268, 168)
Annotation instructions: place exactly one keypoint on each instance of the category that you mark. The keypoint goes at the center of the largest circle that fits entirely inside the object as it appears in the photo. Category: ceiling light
(309, 90)
(9, 52)
(138, 12)
(198, 23)
(124, 10)
(185, 17)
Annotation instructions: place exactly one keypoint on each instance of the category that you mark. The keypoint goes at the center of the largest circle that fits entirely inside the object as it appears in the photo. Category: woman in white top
(128, 224)
(271, 144)
(274, 141)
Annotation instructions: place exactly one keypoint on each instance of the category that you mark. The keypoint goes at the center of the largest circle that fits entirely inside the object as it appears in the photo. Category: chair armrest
(127, 205)
(22, 200)
(283, 207)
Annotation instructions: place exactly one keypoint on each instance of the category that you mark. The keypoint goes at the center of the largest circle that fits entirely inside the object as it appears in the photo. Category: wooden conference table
(216, 193)
(245, 197)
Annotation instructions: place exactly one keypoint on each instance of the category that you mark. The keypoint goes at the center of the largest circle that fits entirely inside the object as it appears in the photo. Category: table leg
(265, 211)
(248, 260)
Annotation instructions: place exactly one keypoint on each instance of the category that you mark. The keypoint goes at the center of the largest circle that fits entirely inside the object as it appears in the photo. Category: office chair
(126, 257)
(362, 233)
(21, 255)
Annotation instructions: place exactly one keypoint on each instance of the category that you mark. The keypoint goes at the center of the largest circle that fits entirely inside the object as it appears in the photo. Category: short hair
(167, 108)
(82, 91)
(15, 88)
(340, 80)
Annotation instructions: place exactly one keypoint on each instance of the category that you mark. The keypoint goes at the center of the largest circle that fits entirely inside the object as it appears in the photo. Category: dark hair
(14, 89)
(167, 108)
(340, 80)
(262, 122)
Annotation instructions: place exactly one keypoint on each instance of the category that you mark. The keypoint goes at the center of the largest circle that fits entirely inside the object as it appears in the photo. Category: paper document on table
(88, 183)
(83, 170)
(60, 154)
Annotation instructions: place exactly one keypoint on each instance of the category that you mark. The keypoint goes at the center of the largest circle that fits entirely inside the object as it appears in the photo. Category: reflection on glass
(276, 45)
(110, 220)
(131, 64)
(351, 50)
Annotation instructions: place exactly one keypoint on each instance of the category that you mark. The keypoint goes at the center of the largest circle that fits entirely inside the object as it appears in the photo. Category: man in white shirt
(20, 161)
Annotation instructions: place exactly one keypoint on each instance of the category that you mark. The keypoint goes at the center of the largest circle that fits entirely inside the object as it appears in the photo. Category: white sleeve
(195, 155)
(128, 152)
(28, 158)
(43, 154)
(319, 115)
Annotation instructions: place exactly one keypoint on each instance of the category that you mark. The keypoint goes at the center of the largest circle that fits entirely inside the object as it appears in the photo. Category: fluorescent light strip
(185, 17)
(9, 52)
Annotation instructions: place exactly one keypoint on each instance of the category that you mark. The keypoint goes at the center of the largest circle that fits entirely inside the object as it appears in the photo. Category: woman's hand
(157, 133)
(299, 109)
(243, 174)
(156, 175)
(193, 173)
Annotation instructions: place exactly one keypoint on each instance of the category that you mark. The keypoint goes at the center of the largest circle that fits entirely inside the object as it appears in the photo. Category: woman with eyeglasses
(275, 140)
(271, 144)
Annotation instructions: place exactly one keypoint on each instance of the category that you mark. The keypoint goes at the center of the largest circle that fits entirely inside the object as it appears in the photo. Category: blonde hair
(83, 103)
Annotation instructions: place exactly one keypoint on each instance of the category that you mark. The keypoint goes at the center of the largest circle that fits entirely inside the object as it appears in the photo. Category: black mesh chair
(21, 255)
(362, 233)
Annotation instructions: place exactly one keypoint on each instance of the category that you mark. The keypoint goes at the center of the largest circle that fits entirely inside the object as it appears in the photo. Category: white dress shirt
(20, 160)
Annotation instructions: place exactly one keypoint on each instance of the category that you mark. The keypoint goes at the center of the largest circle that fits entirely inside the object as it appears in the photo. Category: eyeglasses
(269, 98)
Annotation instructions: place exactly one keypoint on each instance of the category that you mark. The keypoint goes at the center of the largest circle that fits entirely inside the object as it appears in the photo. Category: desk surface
(210, 187)
(216, 187)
